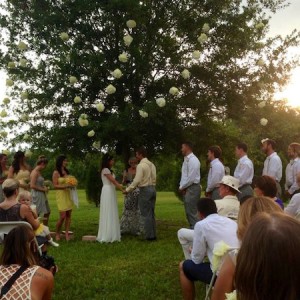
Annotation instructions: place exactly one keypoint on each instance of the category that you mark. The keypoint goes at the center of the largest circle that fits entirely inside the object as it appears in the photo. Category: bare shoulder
(43, 274)
(42, 284)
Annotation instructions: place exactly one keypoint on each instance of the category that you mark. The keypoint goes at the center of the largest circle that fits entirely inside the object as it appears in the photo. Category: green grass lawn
(132, 269)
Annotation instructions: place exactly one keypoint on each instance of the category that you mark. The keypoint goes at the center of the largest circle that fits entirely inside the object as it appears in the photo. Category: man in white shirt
(211, 229)
(189, 185)
(293, 208)
(272, 164)
(216, 172)
(145, 179)
(292, 169)
(244, 171)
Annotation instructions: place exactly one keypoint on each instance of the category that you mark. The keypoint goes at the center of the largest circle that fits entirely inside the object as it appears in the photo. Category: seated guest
(33, 281)
(229, 205)
(267, 186)
(250, 208)
(269, 268)
(293, 207)
(211, 229)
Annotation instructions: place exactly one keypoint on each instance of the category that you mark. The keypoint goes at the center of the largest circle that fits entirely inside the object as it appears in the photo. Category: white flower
(23, 62)
(219, 251)
(73, 79)
(196, 54)
(202, 38)
(185, 74)
(143, 114)
(11, 65)
(9, 82)
(24, 118)
(231, 296)
(64, 36)
(127, 39)
(261, 104)
(96, 145)
(100, 107)
(174, 91)
(6, 100)
(117, 73)
(161, 102)
(131, 24)
(26, 136)
(24, 95)
(28, 153)
(22, 46)
(205, 28)
(110, 89)
(123, 57)
(77, 99)
(261, 62)
(3, 134)
(6, 152)
(83, 116)
(91, 133)
(263, 121)
(259, 25)
(3, 114)
(83, 121)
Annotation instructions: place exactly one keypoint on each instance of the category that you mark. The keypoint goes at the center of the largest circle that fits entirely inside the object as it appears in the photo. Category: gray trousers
(246, 190)
(190, 199)
(147, 199)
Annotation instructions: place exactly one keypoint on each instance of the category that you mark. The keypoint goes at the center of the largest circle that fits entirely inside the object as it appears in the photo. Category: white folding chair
(6, 227)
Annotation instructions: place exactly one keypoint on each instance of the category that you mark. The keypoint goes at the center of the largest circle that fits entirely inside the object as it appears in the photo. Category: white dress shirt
(208, 232)
(228, 207)
(273, 166)
(289, 175)
(190, 171)
(295, 170)
(215, 174)
(244, 170)
(293, 207)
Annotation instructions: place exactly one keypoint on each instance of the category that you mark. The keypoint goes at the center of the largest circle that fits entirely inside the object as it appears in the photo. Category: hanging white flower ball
(260, 25)
(22, 46)
(77, 99)
(261, 62)
(205, 28)
(4, 134)
(202, 38)
(100, 107)
(26, 136)
(143, 114)
(9, 82)
(131, 24)
(6, 152)
(24, 117)
(23, 62)
(185, 74)
(110, 89)
(3, 114)
(11, 65)
(196, 54)
(123, 57)
(73, 79)
(64, 36)
(174, 91)
(96, 145)
(28, 153)
(261, 104)
(161, 102)
(263, 121)
(91, 133)
(117, 73)
(24, 95)
(127, 39)
(6, 100)
(83, 121)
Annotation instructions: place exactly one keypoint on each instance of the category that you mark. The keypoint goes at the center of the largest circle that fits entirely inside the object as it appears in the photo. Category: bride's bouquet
(73, 182)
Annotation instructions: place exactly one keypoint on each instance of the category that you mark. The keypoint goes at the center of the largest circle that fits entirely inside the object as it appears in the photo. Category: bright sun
(292, 91)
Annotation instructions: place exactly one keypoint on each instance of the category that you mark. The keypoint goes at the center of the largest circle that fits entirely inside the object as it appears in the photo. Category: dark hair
(242, 146)
(17, 247)
(142, 151)
(105, 161)
(189, 144)
(266, 184)
(59, 164)
(244, 199)
(268, 262)
(216, 150)
(1, 156)
(206, 206)
(272, 143)
(16, 161)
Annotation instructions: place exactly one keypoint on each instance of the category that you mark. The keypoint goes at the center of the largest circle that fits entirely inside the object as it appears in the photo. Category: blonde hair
(250, 208)
(24, 195)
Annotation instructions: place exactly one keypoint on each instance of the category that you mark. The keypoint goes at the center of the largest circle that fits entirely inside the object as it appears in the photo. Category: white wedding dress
(109, 225)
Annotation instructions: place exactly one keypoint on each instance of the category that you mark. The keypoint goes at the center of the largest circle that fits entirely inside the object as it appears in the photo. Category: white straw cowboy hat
(232, 182)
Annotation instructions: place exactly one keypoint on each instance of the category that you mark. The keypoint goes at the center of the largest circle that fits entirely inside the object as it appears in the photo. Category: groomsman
(272, 164)
(216, 172)
(244, 170)
(292, 169)
(189, 185)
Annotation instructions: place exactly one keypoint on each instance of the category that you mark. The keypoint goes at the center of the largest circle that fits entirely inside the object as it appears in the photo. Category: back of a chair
(6, 227)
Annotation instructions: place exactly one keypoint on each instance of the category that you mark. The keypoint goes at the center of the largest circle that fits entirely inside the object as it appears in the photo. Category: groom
(145, 179)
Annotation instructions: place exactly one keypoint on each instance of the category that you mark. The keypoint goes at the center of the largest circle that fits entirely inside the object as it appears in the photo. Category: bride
(109, 226)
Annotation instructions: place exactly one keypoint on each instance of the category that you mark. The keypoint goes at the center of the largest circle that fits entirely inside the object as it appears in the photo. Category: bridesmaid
(63, 196)
(38, 190)
(20, 171)
(3, 173)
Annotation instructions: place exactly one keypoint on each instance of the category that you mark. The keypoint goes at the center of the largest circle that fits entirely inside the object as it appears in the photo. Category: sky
(282, 23)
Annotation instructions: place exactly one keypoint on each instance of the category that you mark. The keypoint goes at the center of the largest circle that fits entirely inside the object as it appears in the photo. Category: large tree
(214, 53)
